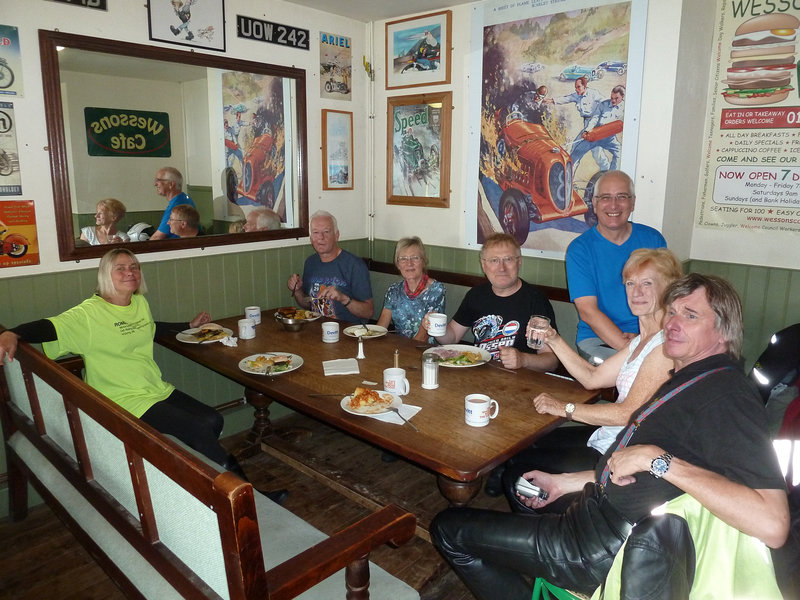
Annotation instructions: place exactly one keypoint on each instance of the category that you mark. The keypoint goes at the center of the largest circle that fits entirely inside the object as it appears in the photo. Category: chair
(779, 363)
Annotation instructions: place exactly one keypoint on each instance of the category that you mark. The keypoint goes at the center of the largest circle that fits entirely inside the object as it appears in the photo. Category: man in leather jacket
(673, 445)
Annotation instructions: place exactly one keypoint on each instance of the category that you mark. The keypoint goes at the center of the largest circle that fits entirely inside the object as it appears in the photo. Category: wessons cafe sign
(123, 132)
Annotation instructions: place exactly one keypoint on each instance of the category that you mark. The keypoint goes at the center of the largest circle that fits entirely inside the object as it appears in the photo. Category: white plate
(365, 331)
(485, 356)
(296, 363)
(397, 402)
(186, 336)
(314, 318)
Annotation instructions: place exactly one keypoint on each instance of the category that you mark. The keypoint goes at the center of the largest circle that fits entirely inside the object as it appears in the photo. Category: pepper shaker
(430, 371)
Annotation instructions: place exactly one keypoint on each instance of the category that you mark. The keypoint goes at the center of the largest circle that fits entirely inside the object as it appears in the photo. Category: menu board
(751, 174)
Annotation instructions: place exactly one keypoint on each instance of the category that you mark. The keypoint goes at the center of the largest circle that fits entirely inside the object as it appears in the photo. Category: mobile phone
(527, 489)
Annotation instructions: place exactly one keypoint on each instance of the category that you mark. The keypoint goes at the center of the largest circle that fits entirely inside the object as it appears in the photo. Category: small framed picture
(337, 150)
(418, 150)
(418, 50)
(188, 23)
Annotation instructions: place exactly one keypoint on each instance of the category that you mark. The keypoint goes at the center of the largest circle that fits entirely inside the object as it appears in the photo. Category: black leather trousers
(497, 555)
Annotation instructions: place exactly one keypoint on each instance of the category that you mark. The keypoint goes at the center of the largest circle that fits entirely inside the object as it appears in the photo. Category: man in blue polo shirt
(594, 269)
(169, 183)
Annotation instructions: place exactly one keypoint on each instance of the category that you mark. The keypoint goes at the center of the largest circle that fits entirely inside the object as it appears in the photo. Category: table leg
(458, 493)
(262, 426)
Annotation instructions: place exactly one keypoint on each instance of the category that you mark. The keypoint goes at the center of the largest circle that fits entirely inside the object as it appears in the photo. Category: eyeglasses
(496, 260)
(406, 259)
(608, 197)
(157, 180)
(176, 220)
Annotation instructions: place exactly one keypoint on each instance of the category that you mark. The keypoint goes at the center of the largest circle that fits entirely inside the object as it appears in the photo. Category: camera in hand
(527, 489)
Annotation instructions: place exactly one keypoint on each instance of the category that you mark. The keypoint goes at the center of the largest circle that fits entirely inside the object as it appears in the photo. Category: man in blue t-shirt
(594, 269)
(335, 283)
(169, 183)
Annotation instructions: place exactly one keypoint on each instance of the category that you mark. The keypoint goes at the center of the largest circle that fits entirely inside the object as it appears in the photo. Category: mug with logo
(479, 409)
(394, 380)
(247, 329)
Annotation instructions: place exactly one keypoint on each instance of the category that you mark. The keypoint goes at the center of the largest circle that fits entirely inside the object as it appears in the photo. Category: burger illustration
(762, 60)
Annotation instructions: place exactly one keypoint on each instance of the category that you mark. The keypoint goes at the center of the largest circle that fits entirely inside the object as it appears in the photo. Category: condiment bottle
(430, 371)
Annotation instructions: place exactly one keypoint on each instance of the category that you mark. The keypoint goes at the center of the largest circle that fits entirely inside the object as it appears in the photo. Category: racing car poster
(558, 103)
(418, 150)
(750, 182)
(257, 123)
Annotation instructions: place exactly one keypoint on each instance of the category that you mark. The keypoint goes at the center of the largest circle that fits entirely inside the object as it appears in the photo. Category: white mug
(437, 324)
(253, 312)
(247, 329)
(330, 332)
(394, 380)
(478, 410)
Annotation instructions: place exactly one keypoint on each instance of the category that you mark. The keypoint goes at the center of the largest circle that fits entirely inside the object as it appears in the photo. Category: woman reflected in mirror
(110, 211)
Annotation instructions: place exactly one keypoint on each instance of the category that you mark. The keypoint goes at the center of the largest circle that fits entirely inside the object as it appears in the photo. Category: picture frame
(337, 150)
(187, 23)
(418, 50)
(418, 149)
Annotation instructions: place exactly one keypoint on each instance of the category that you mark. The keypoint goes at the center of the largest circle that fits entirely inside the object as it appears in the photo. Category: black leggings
(195, 424)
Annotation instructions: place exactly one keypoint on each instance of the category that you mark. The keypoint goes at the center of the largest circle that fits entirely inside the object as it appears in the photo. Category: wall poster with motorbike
(10, 61)
(558, 96)
(10, 179)
(335, 66)
(418, 150)
(418, 50)
(751, 161)
(18, 245)
(257, 123)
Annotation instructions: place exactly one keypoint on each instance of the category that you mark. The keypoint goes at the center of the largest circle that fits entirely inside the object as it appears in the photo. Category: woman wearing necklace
(109, 212)
(409, 300)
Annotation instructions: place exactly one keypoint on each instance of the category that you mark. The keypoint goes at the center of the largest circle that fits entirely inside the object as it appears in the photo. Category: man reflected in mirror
(169, 183)
(261, 219)
(184, 221)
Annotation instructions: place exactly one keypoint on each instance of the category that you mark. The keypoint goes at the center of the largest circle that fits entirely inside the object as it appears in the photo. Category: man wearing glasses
(184, 221)
(594, 269)
(497, 312)
(169, 183)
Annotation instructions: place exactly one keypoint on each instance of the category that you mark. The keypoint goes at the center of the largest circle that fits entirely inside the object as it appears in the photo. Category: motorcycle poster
(10, 179)
(558, 102)
(10, 62)
(418, 50)
(335, 66)
(18, 245)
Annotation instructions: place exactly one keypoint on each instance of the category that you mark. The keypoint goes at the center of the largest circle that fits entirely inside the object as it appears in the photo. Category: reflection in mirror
(118, 114)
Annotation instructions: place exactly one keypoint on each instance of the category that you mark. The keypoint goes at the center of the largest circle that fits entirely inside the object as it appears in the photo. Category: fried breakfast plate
(460, 355)
(271, 363)
(378, 404)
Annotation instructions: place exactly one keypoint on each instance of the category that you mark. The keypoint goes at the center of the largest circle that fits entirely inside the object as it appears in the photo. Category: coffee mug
(478, 410)
(253, 312)
(537, 328)
(330, 332)
(394, 380)
(437, 324)
(247, 329)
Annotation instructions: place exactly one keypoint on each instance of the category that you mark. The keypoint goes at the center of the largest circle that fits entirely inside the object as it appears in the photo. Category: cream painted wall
(127, 21)
(658, 144)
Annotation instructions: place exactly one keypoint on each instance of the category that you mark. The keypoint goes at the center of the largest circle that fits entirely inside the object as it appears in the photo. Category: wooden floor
(40, 559)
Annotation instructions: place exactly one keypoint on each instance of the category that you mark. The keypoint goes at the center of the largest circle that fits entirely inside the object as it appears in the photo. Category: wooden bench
(163, 522)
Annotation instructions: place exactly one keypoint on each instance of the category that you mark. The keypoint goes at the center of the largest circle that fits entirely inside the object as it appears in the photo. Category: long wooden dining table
(460, 455)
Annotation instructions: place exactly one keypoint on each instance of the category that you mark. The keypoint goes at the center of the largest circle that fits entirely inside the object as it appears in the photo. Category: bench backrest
(172, 509)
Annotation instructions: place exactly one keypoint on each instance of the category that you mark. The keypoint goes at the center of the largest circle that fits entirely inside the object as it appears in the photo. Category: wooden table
(460, 455)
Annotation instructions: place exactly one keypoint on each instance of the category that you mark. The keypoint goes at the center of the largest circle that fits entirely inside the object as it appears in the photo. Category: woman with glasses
(409, 300)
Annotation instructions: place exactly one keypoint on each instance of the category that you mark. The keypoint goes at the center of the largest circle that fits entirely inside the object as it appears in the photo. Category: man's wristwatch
(569, 409)
(660, 465)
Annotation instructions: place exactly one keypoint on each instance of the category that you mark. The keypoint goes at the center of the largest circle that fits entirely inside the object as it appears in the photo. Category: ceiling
(377, 10)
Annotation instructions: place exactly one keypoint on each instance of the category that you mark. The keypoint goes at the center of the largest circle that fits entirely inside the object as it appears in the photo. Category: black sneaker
(174, 30)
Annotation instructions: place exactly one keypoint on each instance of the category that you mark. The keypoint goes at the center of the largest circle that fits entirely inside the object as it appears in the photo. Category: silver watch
(569, 409)
(660, 465)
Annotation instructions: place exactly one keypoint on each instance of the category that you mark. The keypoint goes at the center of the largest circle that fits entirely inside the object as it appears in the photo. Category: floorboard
(40, 559)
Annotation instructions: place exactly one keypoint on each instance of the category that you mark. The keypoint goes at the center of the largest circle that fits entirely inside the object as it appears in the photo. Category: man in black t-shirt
(704, 433)
(497, 312)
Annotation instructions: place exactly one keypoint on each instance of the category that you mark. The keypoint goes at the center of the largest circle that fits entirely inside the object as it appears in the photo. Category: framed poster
(418, 150)
(337, 150)
(188, 23)
(418, 50)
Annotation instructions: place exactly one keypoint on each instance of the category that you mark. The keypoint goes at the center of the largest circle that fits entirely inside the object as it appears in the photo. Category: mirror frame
(57, 142)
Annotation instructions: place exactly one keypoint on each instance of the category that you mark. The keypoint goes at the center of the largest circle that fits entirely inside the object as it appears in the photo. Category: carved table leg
(458, 493)
(262, 426)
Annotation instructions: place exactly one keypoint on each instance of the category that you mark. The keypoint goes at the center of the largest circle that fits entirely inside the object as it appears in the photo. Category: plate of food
(210, 332)
(460, 355)
(301, 314)
(365, 331)
(270, 363)
(370, 402)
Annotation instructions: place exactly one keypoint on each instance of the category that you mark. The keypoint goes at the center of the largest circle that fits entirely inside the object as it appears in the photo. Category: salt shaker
(430, 371)
(360, 348)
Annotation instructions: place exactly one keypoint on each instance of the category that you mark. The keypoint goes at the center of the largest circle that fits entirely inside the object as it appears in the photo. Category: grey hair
(622, 175)
(173, 175)
(408, 242)
(324, 214)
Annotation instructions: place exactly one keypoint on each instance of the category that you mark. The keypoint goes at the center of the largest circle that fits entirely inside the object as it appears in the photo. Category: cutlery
(406, 421)
(496, 366)
(323, 395)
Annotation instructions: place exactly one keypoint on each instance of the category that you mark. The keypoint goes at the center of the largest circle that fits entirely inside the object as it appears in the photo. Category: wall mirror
(118, 112)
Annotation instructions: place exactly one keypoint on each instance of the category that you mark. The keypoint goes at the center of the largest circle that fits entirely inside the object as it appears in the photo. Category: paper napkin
(341, 366)
(407, 410)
